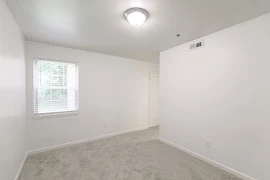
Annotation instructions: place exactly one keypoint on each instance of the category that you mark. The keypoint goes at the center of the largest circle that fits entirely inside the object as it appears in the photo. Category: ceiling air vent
(196, 45)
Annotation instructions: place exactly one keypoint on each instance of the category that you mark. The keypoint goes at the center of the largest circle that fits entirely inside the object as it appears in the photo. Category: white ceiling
(99, 25)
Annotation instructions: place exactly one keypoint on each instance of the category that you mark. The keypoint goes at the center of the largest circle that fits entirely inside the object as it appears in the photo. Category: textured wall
(112, 91)
(221, 93)
(12, 95)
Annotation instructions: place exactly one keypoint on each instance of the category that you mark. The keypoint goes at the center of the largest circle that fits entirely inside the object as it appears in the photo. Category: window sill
(55, 115)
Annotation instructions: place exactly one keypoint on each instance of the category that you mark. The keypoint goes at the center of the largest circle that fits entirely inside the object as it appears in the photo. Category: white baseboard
(83, 141)
(70, 144)
(216, 164)
(21, 166)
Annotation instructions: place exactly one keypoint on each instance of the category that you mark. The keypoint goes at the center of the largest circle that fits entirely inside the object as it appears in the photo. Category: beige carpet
(134, 156)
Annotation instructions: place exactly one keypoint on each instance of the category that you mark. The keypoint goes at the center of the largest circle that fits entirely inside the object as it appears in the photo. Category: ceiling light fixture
(136, 16)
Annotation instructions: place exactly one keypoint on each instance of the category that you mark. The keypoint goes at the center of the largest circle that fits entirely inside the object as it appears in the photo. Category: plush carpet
(134, 156)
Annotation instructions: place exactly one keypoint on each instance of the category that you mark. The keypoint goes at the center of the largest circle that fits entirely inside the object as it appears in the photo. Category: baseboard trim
(83, 141)
(214, 163)
(70, 144)
(21, 166)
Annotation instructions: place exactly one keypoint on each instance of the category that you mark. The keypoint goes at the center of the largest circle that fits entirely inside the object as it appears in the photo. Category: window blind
(55, 86)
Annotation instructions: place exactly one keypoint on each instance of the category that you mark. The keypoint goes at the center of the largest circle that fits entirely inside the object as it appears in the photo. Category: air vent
(196, 45)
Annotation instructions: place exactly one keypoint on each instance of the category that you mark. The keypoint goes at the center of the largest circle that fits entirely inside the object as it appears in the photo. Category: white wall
(112, 90)
(12, 95)
(221, 93)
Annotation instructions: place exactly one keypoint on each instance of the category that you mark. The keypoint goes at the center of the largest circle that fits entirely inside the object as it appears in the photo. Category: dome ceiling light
(136, 16)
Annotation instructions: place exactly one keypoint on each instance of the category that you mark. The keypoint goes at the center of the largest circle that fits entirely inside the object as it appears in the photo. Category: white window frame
(54, 114)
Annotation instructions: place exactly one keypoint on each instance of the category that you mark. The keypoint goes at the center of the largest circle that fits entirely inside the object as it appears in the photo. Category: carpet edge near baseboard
(71, 144)
(21, 167)
(83, 141)
(207, 160)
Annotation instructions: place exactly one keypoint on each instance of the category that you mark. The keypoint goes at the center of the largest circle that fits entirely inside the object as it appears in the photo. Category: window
(55, 87)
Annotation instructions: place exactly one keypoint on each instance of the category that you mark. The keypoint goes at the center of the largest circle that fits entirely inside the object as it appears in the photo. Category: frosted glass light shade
(136, 16)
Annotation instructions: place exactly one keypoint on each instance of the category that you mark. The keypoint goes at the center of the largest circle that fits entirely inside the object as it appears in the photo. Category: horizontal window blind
(55, 86)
